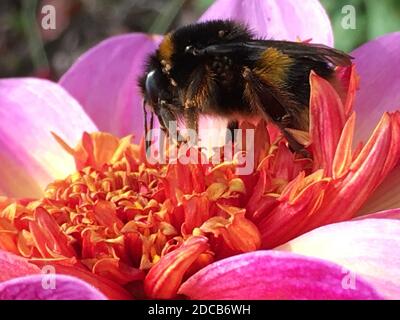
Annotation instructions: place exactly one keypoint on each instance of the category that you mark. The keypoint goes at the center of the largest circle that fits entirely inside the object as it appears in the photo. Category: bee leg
(191, 114)
(294, 145)
(264, 99)
(230, 131)
(168, 121)
(147, 142)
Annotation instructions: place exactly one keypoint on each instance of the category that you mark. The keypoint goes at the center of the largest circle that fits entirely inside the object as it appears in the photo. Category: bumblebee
(220, 68)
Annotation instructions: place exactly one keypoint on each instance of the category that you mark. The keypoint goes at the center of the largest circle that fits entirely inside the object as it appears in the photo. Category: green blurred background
(25, 49)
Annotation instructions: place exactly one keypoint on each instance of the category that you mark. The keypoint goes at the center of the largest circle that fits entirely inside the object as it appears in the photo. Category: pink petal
(273, 275)
(370, 248)
(378, 64)
(386, 196)
(13, 266)
(385, 214)
(40, 287)
(30, 157)
(271, 19)
(104, 81)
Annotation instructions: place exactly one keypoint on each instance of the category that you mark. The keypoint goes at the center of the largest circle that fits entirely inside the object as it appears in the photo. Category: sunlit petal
(368, 248)
(30, 109)
(377, 64)
(279, 20)
(105, 82)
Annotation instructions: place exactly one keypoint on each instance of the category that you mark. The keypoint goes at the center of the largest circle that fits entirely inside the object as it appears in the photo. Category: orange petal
(47, 236)
(111, 268)
(164, 279)
(8, 236)
(196, 210)
(105, 214)
(95, 149)
(239, 233)
(343, 155)
(242, 235)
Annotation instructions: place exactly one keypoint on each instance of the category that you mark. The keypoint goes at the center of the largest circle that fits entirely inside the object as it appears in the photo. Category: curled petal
(285, 20)
(327, 118)
(104, 80)
(164, 279)
(30, 109)
(293, 217)
(273, 275)
(117, 271)
(343, 154)
(55, 239)
(44, 287)
(96, 149)
(369, 248)
(239, 233)
(376, 159)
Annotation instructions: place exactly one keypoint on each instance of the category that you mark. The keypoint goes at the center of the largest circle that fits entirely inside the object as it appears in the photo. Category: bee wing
(252, 50)
(316, 52)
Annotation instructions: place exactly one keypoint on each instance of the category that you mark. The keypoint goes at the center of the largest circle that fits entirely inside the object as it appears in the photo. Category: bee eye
(191, 50)
(152, 90)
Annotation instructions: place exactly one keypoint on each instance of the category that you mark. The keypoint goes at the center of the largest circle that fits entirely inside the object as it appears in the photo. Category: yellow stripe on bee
(166, 48)
(273, 66)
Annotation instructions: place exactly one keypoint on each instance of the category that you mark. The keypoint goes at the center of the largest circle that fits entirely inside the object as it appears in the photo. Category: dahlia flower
(83, 209)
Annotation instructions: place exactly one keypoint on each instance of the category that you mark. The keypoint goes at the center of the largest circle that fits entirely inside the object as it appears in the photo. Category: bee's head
(151, 87)
(154, 85)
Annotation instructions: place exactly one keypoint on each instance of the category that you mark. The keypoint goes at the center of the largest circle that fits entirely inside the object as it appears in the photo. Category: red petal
(111, 268)
(109, 288)
(48, 235)
(196, 210)
(367, 171)
(291, 218)
(327, 118)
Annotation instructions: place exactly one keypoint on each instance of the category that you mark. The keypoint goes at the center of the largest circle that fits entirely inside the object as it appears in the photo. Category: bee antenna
(151, 123)
(146, 129)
